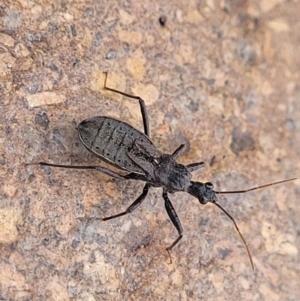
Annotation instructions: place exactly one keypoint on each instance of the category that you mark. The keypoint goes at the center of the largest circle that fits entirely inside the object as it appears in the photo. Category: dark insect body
(162, 20)
(113, 140)
(129, 149)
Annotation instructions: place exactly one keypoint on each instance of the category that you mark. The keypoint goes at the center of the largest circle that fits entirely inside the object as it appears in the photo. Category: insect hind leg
(84, 167)
(141, 102)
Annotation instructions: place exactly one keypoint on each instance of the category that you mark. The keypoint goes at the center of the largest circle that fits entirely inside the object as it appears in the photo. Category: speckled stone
(221, 77)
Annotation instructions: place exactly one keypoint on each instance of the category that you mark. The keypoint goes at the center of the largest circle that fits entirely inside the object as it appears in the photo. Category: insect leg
(98, 168)
(142, 105)
(133, 206)
(194, 166)
(136, 176)
(191, 167)
(178, 151)
(175, 220)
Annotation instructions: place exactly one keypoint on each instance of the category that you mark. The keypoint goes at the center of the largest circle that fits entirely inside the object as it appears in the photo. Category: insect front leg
(175, 220)
(141, 102)
(191, 167)
(133, 206)
(194, 166)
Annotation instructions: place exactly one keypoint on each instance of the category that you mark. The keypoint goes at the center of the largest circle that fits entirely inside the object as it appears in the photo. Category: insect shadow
(131, 150)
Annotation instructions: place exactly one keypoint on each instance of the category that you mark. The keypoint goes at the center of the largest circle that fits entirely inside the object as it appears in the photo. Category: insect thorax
(171, 175)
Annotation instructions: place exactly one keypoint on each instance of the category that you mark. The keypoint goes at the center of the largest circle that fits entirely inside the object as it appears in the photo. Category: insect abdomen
(111, 139)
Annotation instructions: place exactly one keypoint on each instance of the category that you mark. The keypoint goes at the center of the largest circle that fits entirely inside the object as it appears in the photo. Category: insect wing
(112, 140)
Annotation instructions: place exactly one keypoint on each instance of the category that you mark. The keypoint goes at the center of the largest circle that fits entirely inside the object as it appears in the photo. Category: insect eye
(209, 185)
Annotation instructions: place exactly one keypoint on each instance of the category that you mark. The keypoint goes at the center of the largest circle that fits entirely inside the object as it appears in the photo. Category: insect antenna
(240, 234)
(244, 191)
(256, 187)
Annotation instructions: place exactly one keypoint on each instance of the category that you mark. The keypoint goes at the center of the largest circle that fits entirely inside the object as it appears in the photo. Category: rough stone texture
(222, 78)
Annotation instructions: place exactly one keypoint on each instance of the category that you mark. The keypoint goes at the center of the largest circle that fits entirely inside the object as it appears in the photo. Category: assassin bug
(129, 149)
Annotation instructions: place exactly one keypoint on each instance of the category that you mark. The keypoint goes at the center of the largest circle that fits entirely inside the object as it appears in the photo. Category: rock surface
(221, 78)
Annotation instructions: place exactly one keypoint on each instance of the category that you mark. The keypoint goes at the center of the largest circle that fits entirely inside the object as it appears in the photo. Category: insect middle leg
(178, 151)
(142, 105)
(175, 220)
(133, 206)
